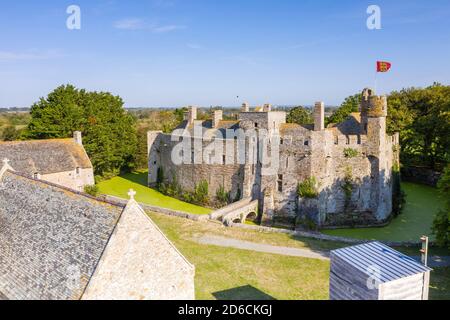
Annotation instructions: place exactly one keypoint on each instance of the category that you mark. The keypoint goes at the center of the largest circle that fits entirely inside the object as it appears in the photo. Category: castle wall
(230, 176)
(353, 172)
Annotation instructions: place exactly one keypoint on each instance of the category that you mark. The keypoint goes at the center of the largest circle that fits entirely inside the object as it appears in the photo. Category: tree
(299, 115)
(10, 133)
(441, 224)
(109, 133)
(422, 116)
(350, 104)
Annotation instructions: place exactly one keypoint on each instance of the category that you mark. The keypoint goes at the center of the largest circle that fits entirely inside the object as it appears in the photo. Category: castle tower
(217, 117)
(319, 116)
(373, 120)
(191, 115)
(372, 106)
(245, 107)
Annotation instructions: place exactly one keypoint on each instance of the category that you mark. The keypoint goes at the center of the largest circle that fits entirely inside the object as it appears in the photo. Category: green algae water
(422, 204)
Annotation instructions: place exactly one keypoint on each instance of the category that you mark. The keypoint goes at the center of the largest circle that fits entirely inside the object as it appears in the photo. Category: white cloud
(130, 24)
(168, 28)
(139, 24)
(194, 46)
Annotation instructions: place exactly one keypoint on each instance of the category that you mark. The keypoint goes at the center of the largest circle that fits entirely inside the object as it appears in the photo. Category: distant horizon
(173, 53)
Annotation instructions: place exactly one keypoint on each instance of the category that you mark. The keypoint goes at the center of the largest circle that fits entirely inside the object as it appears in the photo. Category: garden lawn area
(422, 204)
(233, 274)
(119, 187)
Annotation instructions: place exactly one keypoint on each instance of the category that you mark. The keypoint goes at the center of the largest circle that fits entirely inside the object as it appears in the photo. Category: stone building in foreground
(59, 244)
(349, 164)
(60, 161)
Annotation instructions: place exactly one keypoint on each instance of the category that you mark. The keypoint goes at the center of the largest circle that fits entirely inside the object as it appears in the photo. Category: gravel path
(433, 261)
(259, 247)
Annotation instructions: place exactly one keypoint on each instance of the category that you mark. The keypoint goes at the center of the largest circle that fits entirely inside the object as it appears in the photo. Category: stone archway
(250, 216)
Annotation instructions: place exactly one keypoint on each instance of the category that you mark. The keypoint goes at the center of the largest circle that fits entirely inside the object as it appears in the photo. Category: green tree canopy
(350, 104)
(441, 225)
(299, 115)
(109, 133)
(422, 116)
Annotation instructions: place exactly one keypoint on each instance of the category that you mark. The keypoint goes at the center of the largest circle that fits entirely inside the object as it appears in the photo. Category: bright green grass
(422, 204)
(119, 187)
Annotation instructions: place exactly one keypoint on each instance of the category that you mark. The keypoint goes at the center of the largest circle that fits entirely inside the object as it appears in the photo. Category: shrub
(347, 187)
(201, 193)
(308, 188)
(398, 196)
(92, 190)
(222, 196)
(350, 153)
(441, 224)
(160, 178)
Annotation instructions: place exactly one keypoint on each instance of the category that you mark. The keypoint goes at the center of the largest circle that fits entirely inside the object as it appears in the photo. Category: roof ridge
(35, 141)
(54, 185)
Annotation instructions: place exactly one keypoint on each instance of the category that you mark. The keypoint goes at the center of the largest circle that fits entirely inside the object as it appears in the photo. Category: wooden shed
(374, 271)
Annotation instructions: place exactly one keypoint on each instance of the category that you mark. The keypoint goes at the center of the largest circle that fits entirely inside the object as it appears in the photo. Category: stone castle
(348, 165)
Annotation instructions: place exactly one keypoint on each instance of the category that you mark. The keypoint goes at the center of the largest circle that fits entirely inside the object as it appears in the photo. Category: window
(77, 170)
(280, 183)
(336, 140)
(224, 159)
(36, 175)
(306, 143)
(348, 139)
(256, 124)
(281, 141)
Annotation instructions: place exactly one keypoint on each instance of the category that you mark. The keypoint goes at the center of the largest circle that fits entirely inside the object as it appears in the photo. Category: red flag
(383, 66)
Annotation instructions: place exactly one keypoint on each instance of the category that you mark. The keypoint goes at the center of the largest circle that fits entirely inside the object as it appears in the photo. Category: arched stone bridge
(237, 212)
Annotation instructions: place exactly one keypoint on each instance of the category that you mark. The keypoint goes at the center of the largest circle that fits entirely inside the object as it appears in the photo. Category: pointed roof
(51, 239)
(45, 156)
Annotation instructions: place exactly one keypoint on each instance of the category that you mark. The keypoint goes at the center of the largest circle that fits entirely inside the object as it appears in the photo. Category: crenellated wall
(351, 164)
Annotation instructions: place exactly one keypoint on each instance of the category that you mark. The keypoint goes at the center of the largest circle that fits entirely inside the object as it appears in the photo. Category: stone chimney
(217, 117)
(192, 115)
(319, 116)
(78, 138)
(245, 107)
(267, 107)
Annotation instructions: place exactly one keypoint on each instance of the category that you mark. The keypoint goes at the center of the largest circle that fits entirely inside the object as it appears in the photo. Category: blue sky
(201, 52)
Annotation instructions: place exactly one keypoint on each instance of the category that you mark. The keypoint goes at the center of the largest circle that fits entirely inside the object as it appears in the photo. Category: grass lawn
(422, 204)
(119, 187)
(226, 273)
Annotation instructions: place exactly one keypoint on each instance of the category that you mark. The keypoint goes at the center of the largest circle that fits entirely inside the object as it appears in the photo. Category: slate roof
(45, 156)
(51, 238)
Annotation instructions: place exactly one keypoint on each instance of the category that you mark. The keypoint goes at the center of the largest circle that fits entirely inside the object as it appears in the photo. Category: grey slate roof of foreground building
(45, 156)
(392, 264)
(44, 231)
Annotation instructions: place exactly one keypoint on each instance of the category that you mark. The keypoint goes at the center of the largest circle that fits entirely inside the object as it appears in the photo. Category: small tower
(319, 116)
(372, 106)
(191, 115)
(217, 117)
(245, 107)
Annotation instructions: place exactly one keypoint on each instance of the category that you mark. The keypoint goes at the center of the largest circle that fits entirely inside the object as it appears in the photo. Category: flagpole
(376, 81)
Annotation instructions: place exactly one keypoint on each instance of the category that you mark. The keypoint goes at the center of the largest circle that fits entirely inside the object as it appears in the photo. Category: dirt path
(433, 261)
(259, 247)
